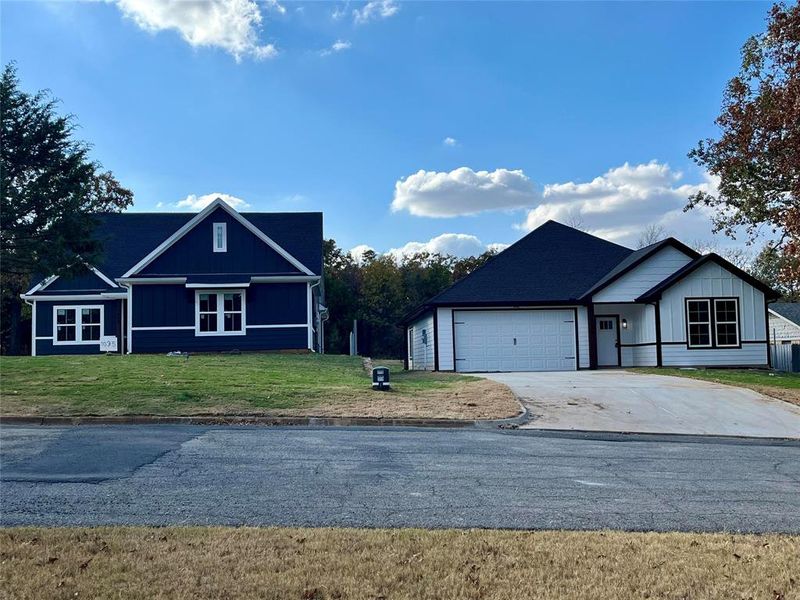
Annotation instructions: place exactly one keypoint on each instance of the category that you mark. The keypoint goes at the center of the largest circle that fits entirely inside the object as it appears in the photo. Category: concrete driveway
(630, 402)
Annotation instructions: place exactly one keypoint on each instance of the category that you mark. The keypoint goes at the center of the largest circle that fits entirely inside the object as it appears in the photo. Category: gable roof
(130, 236)
(198, 218)
(790, 311)
(635, 258)
(655, 292)
(554, 263)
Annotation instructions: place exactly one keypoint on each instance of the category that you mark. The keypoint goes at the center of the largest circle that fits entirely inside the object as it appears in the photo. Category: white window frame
(734, 322)
(220, 312)
(689, 324)
(78, 324)
(215, 235)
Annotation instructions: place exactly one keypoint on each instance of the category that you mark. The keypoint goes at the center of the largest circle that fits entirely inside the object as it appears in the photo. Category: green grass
(740, 377)
(204, 383)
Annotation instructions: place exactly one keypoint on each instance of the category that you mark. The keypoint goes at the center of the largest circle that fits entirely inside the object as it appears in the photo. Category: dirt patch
(327, 564)
(786, 394)
(477, 399)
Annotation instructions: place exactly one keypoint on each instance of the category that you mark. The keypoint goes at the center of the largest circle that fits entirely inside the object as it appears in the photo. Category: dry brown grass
(790, 395)
(393, 564)
(469, 399)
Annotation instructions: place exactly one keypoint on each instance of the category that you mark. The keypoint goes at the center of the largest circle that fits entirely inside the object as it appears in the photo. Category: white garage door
(515, 340)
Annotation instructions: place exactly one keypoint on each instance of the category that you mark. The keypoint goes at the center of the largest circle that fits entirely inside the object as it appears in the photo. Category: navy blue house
(215, 281)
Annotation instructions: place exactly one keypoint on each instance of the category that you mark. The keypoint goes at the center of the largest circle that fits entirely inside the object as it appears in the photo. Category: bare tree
(575, 220)
(652, 234)
(741, 257)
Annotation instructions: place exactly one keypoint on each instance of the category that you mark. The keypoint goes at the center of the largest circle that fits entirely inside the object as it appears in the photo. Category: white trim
(218, 203)
(129, 310)
(309, 302)
(78, 308)
(220, 312)
(175, 328)
(103, 277)
(276, 326)
(224, 246)
(74, 297)
(204, 286)
(780, 316)
(44, 337)
(33, 328)
(150, 280)
(284, 278)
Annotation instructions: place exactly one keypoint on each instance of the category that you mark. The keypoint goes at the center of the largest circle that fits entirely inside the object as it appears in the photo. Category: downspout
(128, 317)
(312, 316)
(32, 304)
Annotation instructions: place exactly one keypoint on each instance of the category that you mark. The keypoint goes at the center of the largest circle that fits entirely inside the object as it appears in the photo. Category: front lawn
(405, 564)
(784, 386)
(246, 384)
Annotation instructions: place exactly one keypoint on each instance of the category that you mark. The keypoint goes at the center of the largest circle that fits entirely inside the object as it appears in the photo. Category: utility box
(380, 378)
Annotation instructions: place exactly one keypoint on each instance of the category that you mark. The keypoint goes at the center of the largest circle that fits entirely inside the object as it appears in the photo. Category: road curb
(649, 436)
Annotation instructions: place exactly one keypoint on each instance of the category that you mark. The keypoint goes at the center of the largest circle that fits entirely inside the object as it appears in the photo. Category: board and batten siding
(781, 330)
(713, 281)
(641, 330)
(444, 322)
(644, 277)
(583, 337)
(420, 353)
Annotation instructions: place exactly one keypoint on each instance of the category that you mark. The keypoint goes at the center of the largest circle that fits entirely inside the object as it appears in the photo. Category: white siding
(641, 330)
(782, 330)
(644, 277)
(421, 354)
(444, 322)
(711, 280)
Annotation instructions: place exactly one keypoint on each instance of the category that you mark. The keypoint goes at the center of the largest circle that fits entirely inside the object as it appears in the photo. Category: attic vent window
(220, 237)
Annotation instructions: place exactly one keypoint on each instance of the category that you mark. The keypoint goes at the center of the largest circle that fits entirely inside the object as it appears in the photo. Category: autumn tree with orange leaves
(757, 155)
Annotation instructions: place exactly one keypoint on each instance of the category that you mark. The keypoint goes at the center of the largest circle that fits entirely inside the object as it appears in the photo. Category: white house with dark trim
(561, 299)
(784, 323)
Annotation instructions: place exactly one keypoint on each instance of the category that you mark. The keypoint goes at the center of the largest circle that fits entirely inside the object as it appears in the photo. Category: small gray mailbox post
(380, 378)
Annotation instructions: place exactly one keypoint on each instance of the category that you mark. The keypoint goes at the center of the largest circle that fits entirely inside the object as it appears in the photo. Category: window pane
(699, 335)
(90, 315)
(65, 316)
(90, 333)
(727, 334)
(208, 322)
(698, 311)
(233, 322)
(208, 302)
(233, 302)
(726, 310)
(65, 333)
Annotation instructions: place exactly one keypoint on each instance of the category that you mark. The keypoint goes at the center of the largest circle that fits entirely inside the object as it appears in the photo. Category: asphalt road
(391, 477)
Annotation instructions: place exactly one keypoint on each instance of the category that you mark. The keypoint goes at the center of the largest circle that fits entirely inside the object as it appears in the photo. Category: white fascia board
(284, 278)
(205, 286)
(218, 203)
(74, 297)
(41, 285)
(103, 277)
(149, 280)
(774, 314)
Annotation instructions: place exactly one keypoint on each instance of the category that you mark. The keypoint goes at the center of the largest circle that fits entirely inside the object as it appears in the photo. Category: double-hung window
(712, 322)
(220, 312)
(77, 324)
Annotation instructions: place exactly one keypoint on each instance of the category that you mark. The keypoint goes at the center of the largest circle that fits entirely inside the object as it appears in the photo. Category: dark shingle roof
(788, 310)
(553, 263)
(130, 236)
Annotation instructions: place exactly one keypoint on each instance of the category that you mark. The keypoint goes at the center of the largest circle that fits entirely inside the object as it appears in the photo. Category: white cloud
(449, 141)
(620, 203)
(374, 10)
(276, 6)
(456, 244)
(337, 46)
(232, 25)
(463, 192)
(339, 12)
(194, 202)
(359, 251)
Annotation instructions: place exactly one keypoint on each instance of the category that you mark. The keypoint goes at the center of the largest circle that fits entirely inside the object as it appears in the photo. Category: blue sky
(579, 112)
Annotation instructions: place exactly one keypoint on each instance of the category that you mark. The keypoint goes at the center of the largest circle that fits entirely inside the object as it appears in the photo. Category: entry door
(607, 327)
(514, 340)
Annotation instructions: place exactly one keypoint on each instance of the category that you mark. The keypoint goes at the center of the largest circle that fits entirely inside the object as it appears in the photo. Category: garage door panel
(518, 340)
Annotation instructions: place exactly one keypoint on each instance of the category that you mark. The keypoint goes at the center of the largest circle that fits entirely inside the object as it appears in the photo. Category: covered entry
(515, 340)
